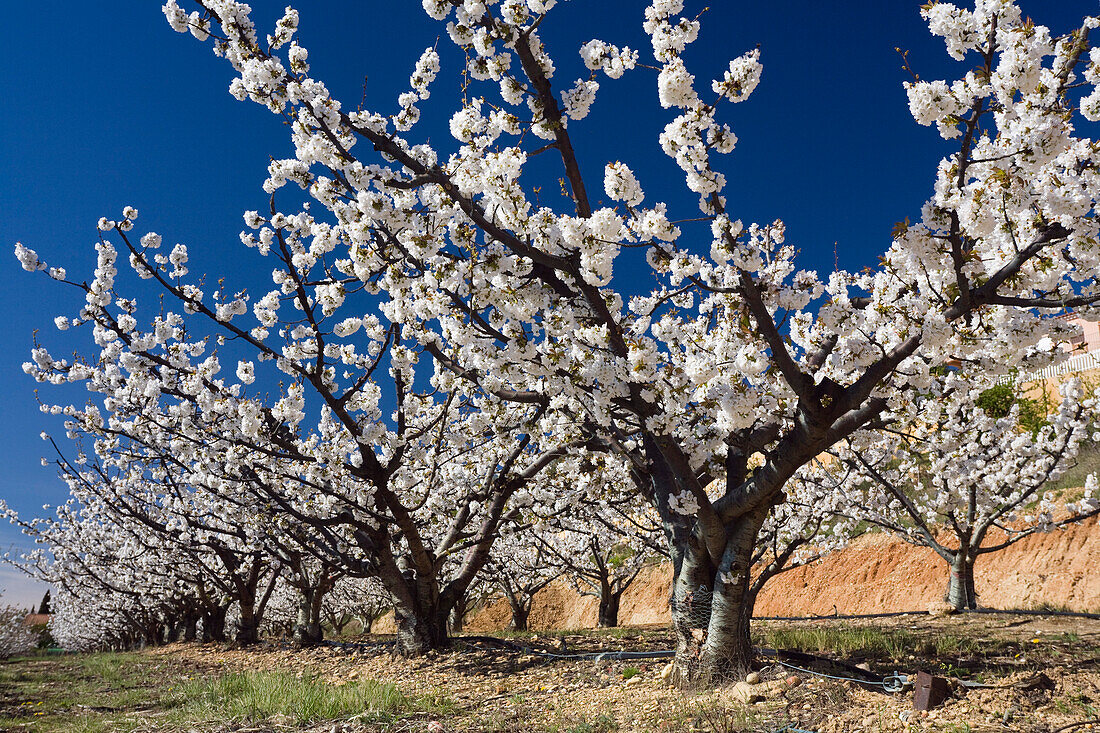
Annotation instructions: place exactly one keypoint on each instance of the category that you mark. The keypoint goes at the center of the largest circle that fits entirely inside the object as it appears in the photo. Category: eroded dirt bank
(877, 573)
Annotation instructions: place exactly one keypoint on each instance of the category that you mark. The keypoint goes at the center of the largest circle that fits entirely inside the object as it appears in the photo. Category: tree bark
(457, 618)
(213, 624)
(712, 606)
(960, 585)
(609, 609)
(419, 632)
(307, 629)
(248, 628)
(521, 613)
(190, 627)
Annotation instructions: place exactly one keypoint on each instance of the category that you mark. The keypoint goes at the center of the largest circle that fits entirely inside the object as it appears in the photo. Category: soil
(1039, 674)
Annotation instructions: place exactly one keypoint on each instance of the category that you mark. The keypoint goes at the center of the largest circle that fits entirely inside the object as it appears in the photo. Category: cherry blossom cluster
(16, 637)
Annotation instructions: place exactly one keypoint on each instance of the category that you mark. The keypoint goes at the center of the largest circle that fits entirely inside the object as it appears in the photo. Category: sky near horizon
(107, 107)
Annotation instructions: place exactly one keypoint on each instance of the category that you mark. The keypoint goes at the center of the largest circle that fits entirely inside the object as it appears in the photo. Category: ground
(1041, 674)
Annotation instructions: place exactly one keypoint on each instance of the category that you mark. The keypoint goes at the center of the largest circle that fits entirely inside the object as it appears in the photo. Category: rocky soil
(1025, 674)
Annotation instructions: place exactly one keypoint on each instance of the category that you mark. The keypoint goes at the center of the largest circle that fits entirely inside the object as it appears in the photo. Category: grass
(41, 693)
(96, 693)
(864, 641)
(256, 696)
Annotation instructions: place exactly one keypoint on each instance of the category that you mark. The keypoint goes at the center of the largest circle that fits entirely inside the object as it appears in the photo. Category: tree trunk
(609, 609)
(458, 613)
(190, 627)
(213, 624)
(420, 632)
(154, 633)
(248, 628)
(457, 620)
(960, 586)
(712, 606)
(339, 623)
(307, 629)
(521, 612)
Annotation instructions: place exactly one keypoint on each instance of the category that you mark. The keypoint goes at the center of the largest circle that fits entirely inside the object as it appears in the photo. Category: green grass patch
(86, 693)
(96, 693)
(1088, 461)
(256, 696)
(863, 641)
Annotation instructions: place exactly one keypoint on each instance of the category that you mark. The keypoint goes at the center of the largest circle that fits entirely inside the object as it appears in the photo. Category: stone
(940, 609)
(635, 680)
(753, 678)
(666, 671)
(794, 681)
(745, 693)
(775, 688)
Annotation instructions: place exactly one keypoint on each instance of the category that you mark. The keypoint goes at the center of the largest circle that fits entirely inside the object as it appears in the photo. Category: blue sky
(106, 106)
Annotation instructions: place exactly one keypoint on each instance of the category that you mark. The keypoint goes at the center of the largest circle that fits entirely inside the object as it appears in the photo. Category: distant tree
(947, 473)
(15, 636)
(44, 607)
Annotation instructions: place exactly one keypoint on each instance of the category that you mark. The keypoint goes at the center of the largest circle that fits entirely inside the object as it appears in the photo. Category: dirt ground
(1035, 674)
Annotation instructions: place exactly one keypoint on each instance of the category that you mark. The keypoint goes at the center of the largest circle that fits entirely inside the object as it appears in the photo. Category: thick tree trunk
(190, 627)
(248, 627)
(420, 632)
(609, 609)
(960, 586)
(712, 606)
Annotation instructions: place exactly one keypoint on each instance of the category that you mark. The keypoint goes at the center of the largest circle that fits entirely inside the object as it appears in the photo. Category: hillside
(877, 573)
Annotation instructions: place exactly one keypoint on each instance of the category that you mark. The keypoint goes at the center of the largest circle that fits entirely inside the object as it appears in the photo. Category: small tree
(949, 472)
(607, 536)
(518, 567)
(363, 600)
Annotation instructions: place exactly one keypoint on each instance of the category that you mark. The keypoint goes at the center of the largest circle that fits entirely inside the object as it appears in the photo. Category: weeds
(848, 641)
(79, 693)
(96, 693)
(254, 696)
(602, 724)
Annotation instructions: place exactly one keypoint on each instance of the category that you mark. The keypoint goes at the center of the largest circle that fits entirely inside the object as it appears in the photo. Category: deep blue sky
(106, 106)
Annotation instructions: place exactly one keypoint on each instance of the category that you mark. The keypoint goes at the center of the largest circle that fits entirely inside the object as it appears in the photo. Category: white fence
(1072, 365)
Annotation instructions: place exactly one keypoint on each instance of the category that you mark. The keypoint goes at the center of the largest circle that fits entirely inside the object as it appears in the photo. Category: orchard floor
(1043, 675)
